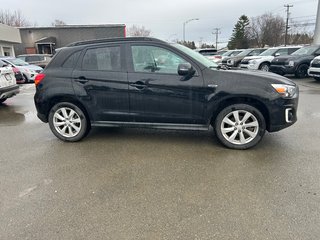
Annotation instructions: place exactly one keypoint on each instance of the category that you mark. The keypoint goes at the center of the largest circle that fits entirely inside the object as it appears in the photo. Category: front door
(158, 94)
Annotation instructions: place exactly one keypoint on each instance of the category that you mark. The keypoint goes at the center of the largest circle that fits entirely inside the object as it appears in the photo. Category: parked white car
(262, 61)
(29, 71)
(314, 69)
(8, 85)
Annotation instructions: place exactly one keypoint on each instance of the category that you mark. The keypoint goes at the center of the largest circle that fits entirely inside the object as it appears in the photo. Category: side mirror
(185, 69)
(277, 55)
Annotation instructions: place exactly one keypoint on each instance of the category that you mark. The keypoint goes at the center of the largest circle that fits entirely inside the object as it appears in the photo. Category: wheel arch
(242, 100)
(264, 62)
(70, 99)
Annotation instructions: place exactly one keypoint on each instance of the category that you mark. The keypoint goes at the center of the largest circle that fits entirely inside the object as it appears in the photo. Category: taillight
(39, 78)
(218, 56)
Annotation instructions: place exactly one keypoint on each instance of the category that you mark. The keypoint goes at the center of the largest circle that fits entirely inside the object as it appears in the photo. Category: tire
(317, 79)
(68, 122)
(233, 133)
(264, 67)
(302, 71)
(3, 100)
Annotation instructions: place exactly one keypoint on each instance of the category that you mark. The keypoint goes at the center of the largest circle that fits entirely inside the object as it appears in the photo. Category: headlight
(287, 91)
(291, 63)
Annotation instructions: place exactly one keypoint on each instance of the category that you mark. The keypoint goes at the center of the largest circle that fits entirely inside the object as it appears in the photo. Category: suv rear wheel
(68, 122)
(240, 126)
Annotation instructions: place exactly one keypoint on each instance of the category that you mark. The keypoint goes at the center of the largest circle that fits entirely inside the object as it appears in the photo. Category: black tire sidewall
(298, 71)
(84, 122)
(264, 64)
(245, 107)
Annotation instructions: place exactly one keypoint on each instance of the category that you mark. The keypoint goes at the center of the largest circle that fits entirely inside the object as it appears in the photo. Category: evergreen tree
(239, 38)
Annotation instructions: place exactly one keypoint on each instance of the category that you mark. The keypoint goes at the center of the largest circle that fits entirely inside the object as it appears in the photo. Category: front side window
(155, 59)
(102, 59)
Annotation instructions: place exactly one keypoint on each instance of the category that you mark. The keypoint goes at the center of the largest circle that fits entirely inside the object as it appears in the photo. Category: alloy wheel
(239, 127)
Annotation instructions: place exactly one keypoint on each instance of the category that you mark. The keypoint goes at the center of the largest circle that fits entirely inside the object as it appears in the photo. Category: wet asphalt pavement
(157, 184)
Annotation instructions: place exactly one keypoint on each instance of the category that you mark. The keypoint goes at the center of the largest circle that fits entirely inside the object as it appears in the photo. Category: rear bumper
(8, 92)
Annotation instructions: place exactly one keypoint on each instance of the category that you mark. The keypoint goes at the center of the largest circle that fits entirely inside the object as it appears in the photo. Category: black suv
(297, 63)
(145, 82)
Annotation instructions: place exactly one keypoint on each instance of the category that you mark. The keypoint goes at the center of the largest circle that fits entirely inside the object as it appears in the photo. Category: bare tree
(299, 34)
(58, 22)
(266, 29)
(137, 31)
(15, 19)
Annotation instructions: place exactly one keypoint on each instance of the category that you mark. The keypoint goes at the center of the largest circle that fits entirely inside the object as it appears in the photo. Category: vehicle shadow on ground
(9, 117)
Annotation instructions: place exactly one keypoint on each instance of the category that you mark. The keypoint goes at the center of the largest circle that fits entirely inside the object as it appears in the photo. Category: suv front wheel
(68, 122)
(240, 126)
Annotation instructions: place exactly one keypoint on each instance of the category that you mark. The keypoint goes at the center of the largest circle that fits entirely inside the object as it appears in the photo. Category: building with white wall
(9, 36)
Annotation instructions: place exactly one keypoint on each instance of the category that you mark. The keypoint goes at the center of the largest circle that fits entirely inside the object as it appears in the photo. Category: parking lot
(158, 184)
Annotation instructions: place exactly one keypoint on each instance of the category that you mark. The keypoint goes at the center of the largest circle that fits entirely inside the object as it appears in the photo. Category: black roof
(107, 40)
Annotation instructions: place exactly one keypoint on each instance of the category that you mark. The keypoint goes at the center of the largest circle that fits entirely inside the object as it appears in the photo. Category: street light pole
(184, 27)
(317, 29)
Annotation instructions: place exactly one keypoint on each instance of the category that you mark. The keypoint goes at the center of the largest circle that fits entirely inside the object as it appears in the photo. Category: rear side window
(102, 59)
(34, 58)
(71, 61)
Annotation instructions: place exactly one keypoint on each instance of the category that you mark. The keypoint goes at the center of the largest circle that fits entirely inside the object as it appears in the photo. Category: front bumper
(282, 69)
(283, 113)
(314, 72)
(253, 66)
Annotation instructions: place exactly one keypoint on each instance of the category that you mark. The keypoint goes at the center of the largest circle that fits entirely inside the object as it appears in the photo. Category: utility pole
(217, 32)
(317, 29)
(287, 23)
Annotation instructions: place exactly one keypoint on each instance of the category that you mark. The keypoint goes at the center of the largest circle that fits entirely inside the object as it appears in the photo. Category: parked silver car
(40, 60)
(28, 71)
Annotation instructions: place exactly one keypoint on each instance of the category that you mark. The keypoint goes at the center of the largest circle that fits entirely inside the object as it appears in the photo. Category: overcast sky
(163, 17)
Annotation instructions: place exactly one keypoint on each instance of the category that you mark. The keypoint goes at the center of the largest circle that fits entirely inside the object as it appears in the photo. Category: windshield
(306, 51)
(228, 53)
(245, 52)
(269, 52)
(17, 62)
(197, 56)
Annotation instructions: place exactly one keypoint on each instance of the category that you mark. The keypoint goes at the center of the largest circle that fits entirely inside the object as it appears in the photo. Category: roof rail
(106, 40)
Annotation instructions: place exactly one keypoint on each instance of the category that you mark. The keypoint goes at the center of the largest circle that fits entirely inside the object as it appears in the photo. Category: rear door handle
(139, 85)
(81, 79)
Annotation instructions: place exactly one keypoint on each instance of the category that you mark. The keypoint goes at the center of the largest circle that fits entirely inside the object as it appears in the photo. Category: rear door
(157, 93)
(100, 81)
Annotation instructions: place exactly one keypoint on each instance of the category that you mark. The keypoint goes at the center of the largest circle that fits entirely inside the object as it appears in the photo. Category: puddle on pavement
(11, 116)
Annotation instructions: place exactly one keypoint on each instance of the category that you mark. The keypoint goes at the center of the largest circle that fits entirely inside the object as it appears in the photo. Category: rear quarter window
(71, 61)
